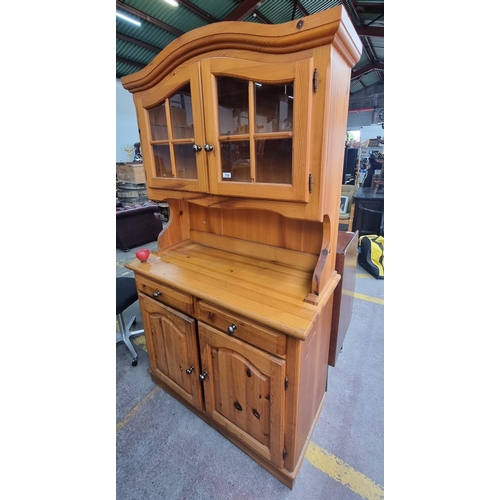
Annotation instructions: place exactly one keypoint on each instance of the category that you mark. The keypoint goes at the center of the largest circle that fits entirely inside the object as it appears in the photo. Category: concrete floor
(163, 451)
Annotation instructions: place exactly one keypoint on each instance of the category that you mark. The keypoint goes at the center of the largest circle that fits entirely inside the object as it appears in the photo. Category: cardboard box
(130, 172)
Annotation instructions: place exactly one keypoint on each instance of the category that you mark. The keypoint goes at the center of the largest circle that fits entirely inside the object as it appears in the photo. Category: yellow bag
(371, 254)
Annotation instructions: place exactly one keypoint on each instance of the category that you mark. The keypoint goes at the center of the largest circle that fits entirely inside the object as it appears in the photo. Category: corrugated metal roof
(216, 8)
(161, 24)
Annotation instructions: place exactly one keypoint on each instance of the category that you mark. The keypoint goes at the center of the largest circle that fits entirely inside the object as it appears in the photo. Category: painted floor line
(362, 296)
(343, 473)
(331, 465)
(369, 298)
(133, 411)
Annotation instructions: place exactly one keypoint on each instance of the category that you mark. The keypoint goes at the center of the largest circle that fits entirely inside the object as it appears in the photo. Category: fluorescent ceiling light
(172, 2)
(133, 21)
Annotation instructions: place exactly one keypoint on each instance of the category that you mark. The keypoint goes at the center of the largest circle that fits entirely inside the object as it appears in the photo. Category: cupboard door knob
(203, 376)
(190, 370)
(157, 293)
(196, 148)
(208, 148)
(231, 329)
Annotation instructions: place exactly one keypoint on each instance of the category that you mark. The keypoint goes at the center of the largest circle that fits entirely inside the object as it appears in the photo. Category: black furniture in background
(369, 211)
(350, 163)
(126, 295)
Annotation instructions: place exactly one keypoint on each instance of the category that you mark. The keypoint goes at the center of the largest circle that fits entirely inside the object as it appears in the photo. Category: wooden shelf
(267, 292)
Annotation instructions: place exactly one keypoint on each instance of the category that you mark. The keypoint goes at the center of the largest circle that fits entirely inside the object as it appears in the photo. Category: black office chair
(126, 295)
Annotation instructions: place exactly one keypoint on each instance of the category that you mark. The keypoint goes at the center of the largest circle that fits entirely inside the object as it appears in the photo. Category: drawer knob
(196, 148)
(157, 293)
(231, 329)
(208, 148)
(203, 376)
(190, 370)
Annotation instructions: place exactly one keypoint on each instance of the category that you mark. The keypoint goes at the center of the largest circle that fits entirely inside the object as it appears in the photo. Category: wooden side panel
(308, 379)
(337, 81)
(313, 372)
(178, 226)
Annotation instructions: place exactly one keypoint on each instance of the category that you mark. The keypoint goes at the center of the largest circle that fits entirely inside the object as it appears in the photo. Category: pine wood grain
(265, 292)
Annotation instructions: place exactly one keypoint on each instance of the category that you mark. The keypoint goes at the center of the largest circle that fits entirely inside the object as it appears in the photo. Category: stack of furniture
(130, 183)
(242, 134)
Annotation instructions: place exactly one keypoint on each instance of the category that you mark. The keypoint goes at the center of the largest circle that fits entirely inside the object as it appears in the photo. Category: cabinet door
(244, 391)
(171, 130)
(172, 348)
(257, 120)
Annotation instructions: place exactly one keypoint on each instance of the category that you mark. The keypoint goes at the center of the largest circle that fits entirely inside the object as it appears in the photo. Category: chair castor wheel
(134, 363)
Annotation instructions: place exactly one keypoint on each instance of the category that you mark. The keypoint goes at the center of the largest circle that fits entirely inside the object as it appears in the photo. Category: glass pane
(181, 113)
(233, 105)
(158, 123)
(235, 161)
(273, 160)
(273, 107)
(163, 165)
(185, 161)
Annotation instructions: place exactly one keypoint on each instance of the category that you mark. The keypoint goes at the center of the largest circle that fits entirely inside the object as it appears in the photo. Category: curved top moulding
(323, 28)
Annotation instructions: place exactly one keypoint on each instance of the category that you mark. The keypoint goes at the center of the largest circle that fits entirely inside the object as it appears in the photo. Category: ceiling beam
(130, 62)
(144, 45)
(370, 8)
(298, 5)
(370, 31)
(200, 12)
(149, 19)
(243, 10)
(366, 69)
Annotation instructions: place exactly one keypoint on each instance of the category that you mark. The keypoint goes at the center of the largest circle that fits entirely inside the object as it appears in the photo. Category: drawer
(266, 339)
(165, 294)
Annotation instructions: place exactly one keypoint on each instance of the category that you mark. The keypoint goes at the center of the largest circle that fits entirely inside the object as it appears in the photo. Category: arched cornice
(331, 26)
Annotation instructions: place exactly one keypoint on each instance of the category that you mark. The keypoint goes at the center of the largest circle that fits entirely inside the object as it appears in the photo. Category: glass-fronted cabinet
(231, 127)
(258, 121)
(170, 122)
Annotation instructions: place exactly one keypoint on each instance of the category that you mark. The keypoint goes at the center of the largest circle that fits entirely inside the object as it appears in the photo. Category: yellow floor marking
(331, 465)
(362, 296)
(133, 411)
(140, 340)
(343, 473)
(364, 275)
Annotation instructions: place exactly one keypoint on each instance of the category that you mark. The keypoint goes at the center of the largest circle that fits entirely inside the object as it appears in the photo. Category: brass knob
(157, 293)
(231, 329)
(208, 148)
(203, 376)
(190, 370)
(196, 148)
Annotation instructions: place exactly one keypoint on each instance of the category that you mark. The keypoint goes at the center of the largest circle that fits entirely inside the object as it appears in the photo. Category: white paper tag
(226, 175)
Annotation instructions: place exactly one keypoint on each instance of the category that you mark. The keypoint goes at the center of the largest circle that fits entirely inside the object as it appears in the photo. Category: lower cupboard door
(172, 349)
(244, 391)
